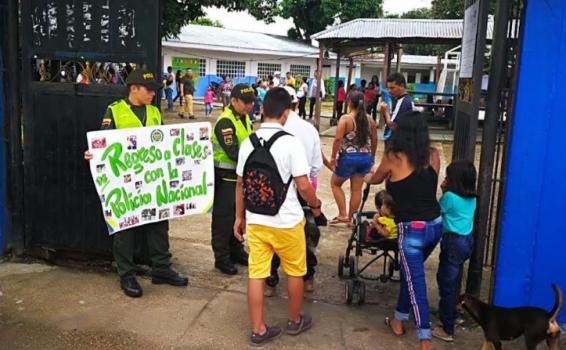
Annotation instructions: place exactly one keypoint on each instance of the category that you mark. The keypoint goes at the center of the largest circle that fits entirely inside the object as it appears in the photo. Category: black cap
(143, 77)
(243, 92)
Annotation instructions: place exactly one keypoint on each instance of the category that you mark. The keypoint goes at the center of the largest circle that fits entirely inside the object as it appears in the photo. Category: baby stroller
(349, 267)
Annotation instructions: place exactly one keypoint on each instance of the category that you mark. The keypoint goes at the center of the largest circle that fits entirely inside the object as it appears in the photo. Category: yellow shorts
(288, 243)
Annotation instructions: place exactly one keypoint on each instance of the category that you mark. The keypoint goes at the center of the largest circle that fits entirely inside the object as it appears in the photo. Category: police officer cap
(243, 92)
(143, 77)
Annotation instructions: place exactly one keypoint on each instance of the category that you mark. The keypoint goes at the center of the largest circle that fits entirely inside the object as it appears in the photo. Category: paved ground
(47, 307)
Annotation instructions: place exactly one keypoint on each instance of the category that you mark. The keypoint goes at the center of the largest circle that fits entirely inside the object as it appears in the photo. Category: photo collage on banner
(144, 175)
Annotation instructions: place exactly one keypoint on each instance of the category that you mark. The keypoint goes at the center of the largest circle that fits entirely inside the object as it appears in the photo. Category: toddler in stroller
(374, 233)
(382, 228)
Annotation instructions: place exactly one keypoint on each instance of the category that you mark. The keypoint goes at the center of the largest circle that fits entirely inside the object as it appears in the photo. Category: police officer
(232, 128)
(135, 112)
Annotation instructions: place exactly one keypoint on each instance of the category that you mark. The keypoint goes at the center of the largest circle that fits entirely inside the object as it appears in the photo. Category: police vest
(221, 159)
(125, 118)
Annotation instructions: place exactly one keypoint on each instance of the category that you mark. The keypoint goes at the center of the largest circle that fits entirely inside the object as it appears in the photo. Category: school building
(213, 52)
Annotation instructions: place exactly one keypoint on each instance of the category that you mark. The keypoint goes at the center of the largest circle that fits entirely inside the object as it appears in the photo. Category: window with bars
(300, 69)
(230, 68)
(202, 67)
(266, 69)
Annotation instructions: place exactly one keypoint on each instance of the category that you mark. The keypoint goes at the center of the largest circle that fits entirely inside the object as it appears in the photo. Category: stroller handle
(365, 196)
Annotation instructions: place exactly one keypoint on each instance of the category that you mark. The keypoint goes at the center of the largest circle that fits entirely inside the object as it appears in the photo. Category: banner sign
(144, 175)
(184, 63)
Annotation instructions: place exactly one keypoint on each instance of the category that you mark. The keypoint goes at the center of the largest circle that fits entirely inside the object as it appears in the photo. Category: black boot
(171, 278)
(131, 287)
(226, 267)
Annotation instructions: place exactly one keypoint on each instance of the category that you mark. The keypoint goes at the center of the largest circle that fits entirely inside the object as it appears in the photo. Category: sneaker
(270, 334)
(269, 291)
(439, 333)
(309, 285)
(181, 115)
(304, 323)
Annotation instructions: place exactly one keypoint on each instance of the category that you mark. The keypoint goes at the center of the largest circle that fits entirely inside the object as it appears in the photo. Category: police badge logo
(228, 140)
(156, 135)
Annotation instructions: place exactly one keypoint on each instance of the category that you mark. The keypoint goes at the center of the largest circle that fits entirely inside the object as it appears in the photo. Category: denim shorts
(350, 164)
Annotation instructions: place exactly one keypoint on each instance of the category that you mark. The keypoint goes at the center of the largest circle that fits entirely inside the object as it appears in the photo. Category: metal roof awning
(364, 33)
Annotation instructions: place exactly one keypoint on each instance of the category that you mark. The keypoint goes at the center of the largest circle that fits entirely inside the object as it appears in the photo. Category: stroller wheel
(361, 292)
(349, 291)
(341, 266)
(353, 267)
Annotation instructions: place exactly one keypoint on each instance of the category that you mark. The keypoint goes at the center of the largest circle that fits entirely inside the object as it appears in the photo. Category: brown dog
(500, 323)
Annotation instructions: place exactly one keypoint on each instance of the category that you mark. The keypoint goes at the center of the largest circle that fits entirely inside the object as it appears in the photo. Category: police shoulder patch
(228, 140)
(106, 121)
(227, 131)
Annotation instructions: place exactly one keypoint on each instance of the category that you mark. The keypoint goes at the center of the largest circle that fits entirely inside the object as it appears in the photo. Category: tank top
(349, 146)
(415, 196)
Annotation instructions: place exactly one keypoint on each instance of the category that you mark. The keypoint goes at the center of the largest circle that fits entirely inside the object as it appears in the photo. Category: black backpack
(264, 189)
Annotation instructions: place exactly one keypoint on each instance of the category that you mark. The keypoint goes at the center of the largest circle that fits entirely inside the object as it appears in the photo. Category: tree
(441, 9)
(453, 9)
(447, 9)
(203, 21)
(312, 16)
(178, 13)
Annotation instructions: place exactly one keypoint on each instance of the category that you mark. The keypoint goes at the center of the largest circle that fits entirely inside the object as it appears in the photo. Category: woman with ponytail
(352, 156)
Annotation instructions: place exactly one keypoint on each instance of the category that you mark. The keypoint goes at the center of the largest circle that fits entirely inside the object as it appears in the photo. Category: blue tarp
(532, 240)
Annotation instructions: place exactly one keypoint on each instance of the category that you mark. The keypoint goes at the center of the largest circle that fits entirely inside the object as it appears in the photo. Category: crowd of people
(281, 161)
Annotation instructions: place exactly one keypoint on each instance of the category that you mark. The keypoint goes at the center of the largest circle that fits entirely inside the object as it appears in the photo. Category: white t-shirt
(289, 155)
(307, 134)
(312, 88)
(303, 90)
(276, 81)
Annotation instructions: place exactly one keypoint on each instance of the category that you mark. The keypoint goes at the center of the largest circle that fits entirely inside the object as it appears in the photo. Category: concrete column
(212, 66)
(319, 82)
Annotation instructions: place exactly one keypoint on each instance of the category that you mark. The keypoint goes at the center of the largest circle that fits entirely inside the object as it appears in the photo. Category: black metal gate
(75, 56)
(498, 118)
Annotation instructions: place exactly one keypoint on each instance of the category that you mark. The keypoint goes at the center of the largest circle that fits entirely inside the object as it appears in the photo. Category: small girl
(208, 98)
(457, 207)
(383, 222)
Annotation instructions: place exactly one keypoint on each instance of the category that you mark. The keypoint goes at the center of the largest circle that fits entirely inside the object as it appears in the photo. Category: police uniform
(154, 237)
(230, 131)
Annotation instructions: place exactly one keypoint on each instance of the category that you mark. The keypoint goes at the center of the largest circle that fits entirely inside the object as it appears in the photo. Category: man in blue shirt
(402, 102)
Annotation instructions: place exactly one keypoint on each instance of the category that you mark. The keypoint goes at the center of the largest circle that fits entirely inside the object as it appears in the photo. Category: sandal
(439, 333)
(339, 220)
(387, 322)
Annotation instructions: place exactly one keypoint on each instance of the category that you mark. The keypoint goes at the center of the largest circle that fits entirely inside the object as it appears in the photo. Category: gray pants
(225, 99)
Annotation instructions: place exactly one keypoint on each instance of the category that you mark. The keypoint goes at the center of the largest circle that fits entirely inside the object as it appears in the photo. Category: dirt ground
(50, 307)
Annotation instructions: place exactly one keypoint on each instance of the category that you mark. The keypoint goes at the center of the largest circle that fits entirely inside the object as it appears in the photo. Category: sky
(244, 21)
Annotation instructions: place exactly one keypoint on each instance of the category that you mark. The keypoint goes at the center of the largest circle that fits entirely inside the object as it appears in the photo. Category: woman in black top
(410, 168)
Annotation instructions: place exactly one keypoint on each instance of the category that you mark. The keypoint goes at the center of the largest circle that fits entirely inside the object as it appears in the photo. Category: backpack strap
(274, 138)
(255, 140)
(271, 141)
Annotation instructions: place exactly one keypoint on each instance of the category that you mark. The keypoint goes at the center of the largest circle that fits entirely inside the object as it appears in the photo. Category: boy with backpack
(272, 168)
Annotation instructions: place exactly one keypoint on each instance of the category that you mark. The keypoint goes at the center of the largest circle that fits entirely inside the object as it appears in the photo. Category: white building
(243, 56)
